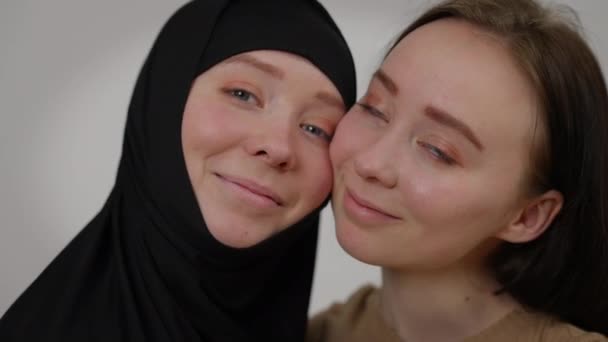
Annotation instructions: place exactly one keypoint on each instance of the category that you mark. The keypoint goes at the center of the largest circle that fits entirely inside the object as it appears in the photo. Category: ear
(534, 218)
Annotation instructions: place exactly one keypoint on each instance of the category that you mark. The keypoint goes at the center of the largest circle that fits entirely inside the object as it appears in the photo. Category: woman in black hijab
(268, 79)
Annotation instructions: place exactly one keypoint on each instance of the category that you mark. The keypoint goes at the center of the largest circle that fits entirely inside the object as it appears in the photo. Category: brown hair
(564, 272)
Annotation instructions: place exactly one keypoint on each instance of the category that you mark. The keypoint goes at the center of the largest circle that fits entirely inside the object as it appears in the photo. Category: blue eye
(373, 111)
(316, 131)
(438, 153)
(241, 94)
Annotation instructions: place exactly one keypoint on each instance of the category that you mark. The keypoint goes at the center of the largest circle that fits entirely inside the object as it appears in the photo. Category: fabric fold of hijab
(146, 268)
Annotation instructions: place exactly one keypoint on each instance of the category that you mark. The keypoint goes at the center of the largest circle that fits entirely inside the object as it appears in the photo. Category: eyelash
(437, 153)
(316, 131)
(373, 111)
(238, 94)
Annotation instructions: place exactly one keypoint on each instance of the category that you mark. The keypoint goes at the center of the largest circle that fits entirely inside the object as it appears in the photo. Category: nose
(274, 146)
(378, 163)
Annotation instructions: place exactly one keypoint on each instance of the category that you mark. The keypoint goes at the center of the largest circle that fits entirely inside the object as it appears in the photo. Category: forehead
(276, 63)
(282, 66)
(468, 72)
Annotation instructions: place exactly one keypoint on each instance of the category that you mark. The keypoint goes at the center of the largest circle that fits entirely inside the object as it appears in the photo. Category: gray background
(67, 69)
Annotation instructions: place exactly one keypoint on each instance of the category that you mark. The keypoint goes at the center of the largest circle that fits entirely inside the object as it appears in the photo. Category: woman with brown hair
(478, 182)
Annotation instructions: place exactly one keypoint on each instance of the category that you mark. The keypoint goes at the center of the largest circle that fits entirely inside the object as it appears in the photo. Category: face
(255, 135)
(429, 166)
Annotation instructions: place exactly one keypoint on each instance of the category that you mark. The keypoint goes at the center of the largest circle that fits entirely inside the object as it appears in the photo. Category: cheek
(427, 201)
(207, 127)
(317, 179)
(207, 130)
(349, 138)
(444, 223)
(453, 211)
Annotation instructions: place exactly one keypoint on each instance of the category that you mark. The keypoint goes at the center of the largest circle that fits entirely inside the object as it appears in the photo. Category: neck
(441, 305)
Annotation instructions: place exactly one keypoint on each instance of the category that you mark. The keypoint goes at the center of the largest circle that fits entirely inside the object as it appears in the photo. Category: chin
(356, 243)
(244, 236)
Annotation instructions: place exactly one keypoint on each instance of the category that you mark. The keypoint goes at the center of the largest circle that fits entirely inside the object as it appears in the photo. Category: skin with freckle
(269, 165)
(431, 175)
(210, 231)
(476, 182)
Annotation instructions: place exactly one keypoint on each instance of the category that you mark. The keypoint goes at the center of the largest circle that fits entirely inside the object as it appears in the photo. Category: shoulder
(354, 305)
(347, 311)
(354, 318)
(555, 330)
(530, 325)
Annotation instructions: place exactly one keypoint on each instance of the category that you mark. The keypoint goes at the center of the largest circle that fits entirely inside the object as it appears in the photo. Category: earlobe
(533, 219)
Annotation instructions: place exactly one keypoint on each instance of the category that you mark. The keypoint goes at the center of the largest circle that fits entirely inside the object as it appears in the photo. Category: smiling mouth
(366, 209)
(253, 188)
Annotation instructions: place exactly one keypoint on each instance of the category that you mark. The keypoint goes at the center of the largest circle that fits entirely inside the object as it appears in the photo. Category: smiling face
(255, 135)
(431, 166)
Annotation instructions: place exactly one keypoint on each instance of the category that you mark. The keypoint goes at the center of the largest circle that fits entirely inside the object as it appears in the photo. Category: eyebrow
(256, 63)
(444, 118)
(331, 100)
(387, 82)
(278, 73)
(440, 116)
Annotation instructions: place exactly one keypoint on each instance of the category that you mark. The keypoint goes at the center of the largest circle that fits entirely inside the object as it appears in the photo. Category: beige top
(360, 319)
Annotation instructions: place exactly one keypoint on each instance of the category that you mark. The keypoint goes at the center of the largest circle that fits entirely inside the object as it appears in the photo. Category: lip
(253, 187)
(364, 210)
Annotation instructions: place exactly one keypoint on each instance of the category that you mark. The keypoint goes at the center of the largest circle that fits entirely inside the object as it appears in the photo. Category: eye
(437, 153)
(241, 95)
(373, 111)
(316, 131)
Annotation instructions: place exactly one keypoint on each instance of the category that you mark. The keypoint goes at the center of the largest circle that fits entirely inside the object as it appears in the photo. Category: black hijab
(146, 268)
